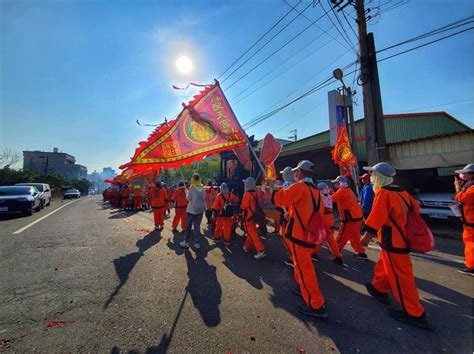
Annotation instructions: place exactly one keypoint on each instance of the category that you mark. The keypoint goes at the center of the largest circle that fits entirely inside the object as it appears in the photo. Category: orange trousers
(223, 227)
(394, 272)
(253, 240)
(468, 238)
(350, 231)
(275, 215)
(159, 216)
(124, 202)
(137, 202)
(180, 215)
(332, 245)
(305, 276)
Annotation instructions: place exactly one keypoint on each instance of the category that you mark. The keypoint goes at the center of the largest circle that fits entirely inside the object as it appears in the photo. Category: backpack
(229, 208)
(258, 214)
(316, 231)
(419, 237)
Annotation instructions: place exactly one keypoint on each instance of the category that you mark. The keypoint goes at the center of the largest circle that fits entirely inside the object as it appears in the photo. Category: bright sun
(184, 65)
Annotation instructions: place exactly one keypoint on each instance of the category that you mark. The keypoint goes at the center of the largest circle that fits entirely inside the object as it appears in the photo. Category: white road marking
(42, 218)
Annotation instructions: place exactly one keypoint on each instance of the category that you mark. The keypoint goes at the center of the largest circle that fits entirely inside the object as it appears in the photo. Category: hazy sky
(77, 74)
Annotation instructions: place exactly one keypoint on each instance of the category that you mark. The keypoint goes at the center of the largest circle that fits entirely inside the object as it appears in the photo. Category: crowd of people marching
(300, 210)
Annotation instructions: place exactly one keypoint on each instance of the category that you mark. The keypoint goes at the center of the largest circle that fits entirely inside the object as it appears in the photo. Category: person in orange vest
(224, 207)
(158, 199)
(169, 195)
(298, 199)
(464, 186)
(180, 204)
(137, 197)
(328, 218)
(288, 177)
(394, 270)
(248, 207)
(210, 194)
(124, 194)
(350, 216)
(114, 194)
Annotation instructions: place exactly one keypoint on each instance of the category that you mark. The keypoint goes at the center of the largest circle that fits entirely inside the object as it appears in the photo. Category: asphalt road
(104, 281)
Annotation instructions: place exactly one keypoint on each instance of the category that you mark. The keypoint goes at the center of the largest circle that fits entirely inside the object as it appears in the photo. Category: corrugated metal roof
(398, 128)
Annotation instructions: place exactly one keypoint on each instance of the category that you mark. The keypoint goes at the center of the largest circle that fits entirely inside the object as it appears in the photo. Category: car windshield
(38, 186)
(72, 191)
(15, 190)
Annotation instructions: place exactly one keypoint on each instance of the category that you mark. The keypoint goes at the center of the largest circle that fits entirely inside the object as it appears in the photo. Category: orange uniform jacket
(297, 199)
(219, 202)
(179, 198)
(137, 193)
(466, 198)
(210, 194)
(248, 205)
(158, 198)
(388, 209)
(348, 205)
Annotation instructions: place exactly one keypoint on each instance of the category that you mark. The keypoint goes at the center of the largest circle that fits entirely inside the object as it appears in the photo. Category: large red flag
(342, 153)
(207, 125)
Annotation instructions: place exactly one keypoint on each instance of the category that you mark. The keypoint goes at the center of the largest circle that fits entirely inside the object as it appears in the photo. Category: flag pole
(245, 134)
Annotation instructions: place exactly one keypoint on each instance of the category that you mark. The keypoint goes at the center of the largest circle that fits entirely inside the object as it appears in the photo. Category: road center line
(19, 231)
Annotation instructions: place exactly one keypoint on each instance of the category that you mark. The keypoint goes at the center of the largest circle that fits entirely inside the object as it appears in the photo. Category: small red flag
(342, 153)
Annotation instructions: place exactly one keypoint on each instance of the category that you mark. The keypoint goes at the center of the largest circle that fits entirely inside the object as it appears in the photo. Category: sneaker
(382, 297)
(318, 313)
(402, 316)
(315, 257)
(260, 255)
(466, 271)
(338, 261)
(245, 249)
(362, 256)
(197, 246)
(289, 263)
(227, 243)
(184, 244)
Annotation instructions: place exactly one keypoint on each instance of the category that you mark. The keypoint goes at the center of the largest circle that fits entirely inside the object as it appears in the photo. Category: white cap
(385, 169)
(249, 184)
(304, 165)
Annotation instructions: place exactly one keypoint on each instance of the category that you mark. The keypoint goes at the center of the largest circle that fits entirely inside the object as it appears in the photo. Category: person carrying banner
(393, 271)
(224, 206)
(464, 185)
(250, 211)
(301, 199)
(124, 194)
(350, 216)
(180, 205)
(194, 211)
(328, 218)
(158, 200)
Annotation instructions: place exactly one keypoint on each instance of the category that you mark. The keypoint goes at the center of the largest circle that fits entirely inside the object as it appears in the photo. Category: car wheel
(42, 205)
(38, 208)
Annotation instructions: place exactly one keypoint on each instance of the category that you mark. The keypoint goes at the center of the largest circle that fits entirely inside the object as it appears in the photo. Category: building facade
(56, 162)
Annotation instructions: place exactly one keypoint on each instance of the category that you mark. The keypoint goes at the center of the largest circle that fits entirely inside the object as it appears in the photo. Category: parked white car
(44, 190)
(72, 193)
(436, 205)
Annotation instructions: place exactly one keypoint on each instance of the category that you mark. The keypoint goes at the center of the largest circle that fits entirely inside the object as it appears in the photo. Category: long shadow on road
(125, 264)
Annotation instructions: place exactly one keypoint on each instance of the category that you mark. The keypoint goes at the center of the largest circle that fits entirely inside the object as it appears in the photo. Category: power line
(342, 26)
(425, 44)
(258, 50)
(316, 25)
(330, 80)
(257, 41)
(276, 51)
(342, 35)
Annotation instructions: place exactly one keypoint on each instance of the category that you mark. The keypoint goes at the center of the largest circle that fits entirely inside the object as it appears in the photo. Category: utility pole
(295, 135)
(373, 112)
